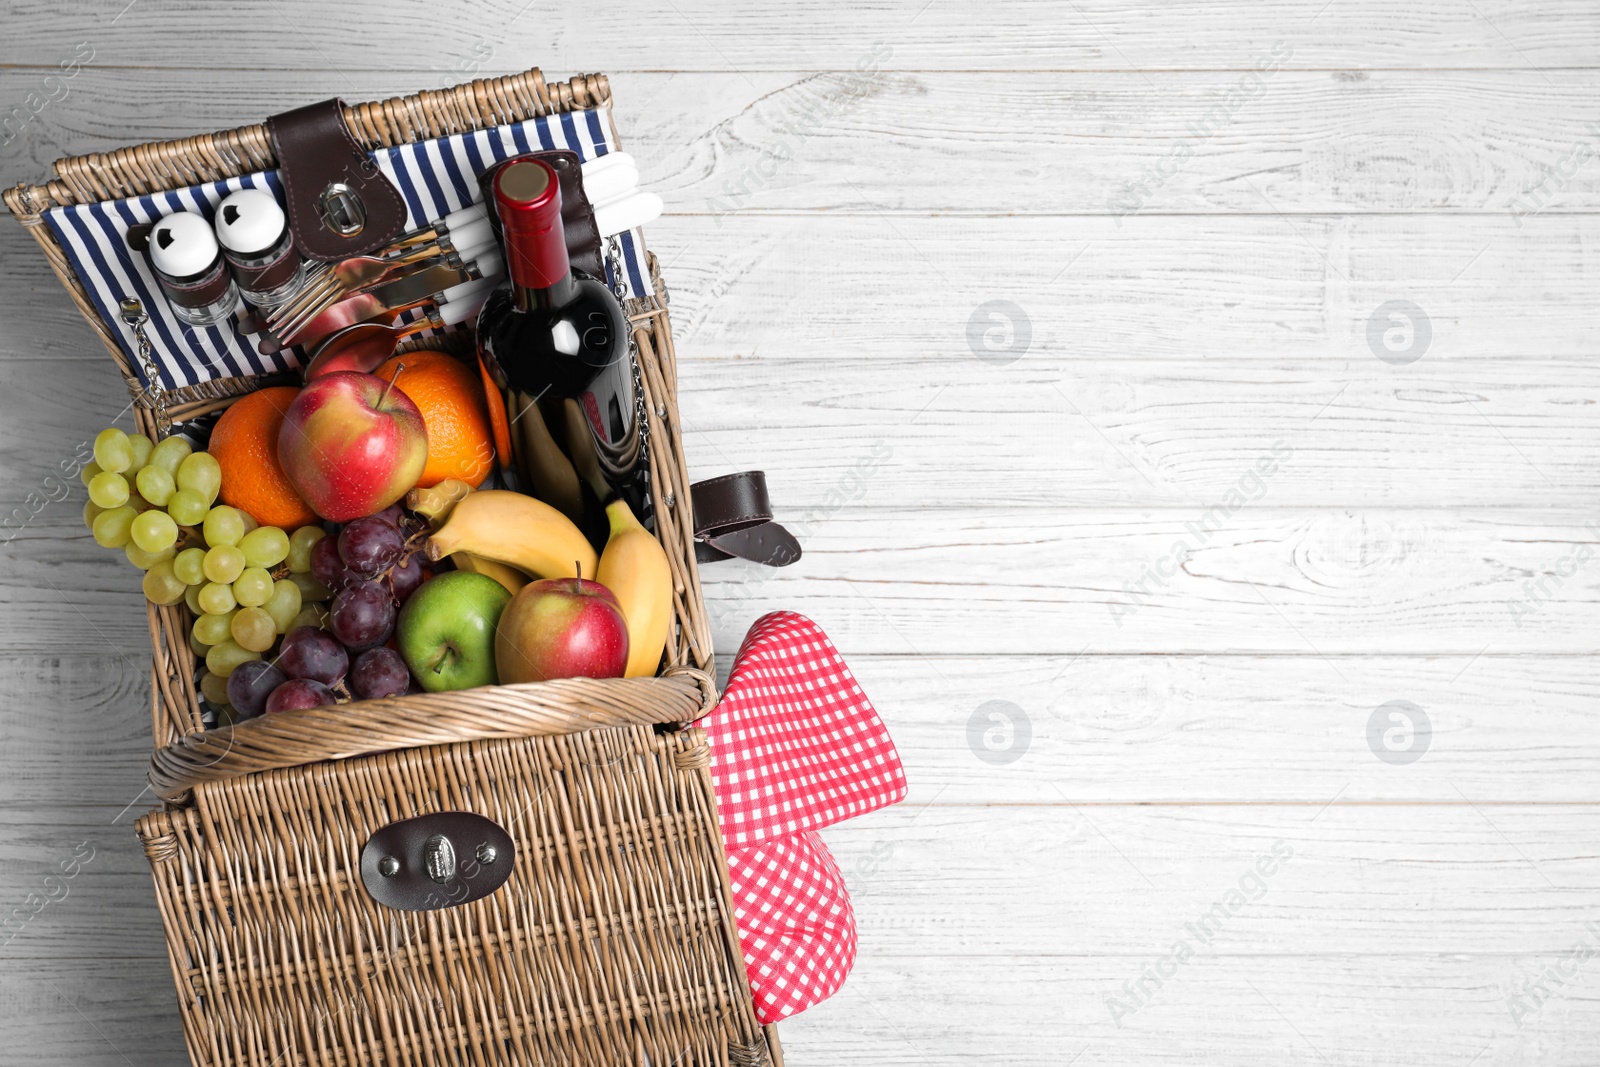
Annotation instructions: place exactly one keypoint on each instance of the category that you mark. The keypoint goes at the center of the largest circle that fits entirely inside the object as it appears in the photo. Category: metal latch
(342, 210)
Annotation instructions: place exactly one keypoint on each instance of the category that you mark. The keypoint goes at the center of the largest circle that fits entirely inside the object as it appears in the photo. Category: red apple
(352, 444)
(561, 628)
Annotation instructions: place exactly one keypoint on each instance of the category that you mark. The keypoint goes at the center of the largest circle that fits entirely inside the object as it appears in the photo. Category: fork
(464, 229)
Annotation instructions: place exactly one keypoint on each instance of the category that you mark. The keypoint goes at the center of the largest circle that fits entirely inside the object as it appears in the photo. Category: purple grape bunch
(372, 568)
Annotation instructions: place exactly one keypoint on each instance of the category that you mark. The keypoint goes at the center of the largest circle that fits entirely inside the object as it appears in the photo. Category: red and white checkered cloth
(795, 746)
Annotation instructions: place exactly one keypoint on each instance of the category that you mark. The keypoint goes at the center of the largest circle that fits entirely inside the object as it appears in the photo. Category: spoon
(363, 346)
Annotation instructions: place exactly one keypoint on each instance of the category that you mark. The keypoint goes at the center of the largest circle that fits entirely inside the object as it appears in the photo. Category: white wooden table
(1187, 501)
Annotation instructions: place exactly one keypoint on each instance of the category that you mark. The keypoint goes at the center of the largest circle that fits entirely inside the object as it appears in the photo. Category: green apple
(446, 630)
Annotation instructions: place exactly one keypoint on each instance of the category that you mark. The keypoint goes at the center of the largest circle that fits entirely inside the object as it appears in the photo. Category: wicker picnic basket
(612, 938)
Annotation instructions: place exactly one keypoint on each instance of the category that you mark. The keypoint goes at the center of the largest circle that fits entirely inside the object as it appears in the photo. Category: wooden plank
(1063, 881)
(1054, 581)
(1325, 582)
(1428, 1011)
(1089, 729)
(1056, 143)
(995, 1009)
(845, 431)
(1016, 35)
(1237, 729)
(913, 433)
(79, 731)
(105, 1012)
(1279, 290)
(1266, 287)
(1056, 881)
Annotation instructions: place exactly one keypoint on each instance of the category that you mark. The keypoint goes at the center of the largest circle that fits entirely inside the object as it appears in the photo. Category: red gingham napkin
(795, 746)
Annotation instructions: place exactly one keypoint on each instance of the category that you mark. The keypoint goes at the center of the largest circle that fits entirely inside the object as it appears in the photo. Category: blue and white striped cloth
(434, 177)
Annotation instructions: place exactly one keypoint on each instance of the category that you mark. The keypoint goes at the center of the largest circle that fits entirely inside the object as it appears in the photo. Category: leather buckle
(340, 203)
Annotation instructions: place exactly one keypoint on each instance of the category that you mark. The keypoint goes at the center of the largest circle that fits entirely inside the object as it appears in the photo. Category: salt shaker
(255, 238)
(189, 264)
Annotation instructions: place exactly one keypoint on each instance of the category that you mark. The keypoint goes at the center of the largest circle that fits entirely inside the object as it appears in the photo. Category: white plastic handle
(604, 182)
(489, 262)
(460, 218)
(475, 251)
(626, 214)
(458, 311)
(474, 234)
(610, 186)
(469, 289)
(608, 161)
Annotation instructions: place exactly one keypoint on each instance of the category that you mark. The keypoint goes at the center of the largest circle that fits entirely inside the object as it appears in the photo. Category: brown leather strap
(327, 178)
(577, 215)
(733, 517)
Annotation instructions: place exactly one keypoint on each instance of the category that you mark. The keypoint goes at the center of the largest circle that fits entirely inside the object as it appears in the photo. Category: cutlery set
(348, 310)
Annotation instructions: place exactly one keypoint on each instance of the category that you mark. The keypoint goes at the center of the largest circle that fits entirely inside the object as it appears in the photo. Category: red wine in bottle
(548, 329)
(545, 336)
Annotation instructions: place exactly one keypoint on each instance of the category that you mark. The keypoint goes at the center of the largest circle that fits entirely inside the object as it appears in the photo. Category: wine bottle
(546, 336)
(547, 330)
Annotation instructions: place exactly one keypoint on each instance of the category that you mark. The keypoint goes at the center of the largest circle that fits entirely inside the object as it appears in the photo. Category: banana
(512, 528)
(634, 567)
(504, 573)
(436, 502)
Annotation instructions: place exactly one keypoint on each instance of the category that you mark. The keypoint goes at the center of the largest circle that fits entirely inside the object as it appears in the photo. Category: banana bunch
(508, 528)
(435, 505)
(509, 536)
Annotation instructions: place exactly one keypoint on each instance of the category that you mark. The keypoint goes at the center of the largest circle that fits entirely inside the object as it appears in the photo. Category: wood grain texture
(1505, 729)
(1327, 582)
(1197, 276)
(1301, 1009)
(702, 35)
(1162, 142)
(1158, 729)
(1054, 880)
(913, 1011)
(1262, 287)
(935, 433)
(1266, 288)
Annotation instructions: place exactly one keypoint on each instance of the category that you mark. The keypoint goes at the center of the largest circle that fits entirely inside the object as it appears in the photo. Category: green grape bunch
(246, 585)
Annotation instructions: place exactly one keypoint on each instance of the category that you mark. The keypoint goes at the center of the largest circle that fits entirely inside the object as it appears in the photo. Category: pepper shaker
(255, 238)
(189, 265)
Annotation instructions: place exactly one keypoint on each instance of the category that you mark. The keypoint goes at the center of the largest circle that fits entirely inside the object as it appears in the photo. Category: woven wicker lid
(361, 728)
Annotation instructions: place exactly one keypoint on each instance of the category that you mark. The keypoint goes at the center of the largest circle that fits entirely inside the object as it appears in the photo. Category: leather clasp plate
(436, 861)
(340, 202)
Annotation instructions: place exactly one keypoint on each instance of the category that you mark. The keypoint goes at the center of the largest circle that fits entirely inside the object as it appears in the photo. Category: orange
(245, 445)
(450, 396)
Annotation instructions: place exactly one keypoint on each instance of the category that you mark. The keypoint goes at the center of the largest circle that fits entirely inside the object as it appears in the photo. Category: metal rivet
(388, 866)
(486, 854)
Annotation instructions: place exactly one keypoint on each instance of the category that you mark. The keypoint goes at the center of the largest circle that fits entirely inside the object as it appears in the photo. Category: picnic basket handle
(361, 728)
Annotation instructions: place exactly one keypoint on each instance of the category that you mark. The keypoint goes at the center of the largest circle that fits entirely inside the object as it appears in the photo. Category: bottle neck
(546, 297)
(528, 204)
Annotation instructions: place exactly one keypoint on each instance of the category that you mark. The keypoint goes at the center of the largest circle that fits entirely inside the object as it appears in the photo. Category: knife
(434, 279)
(446, 283)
